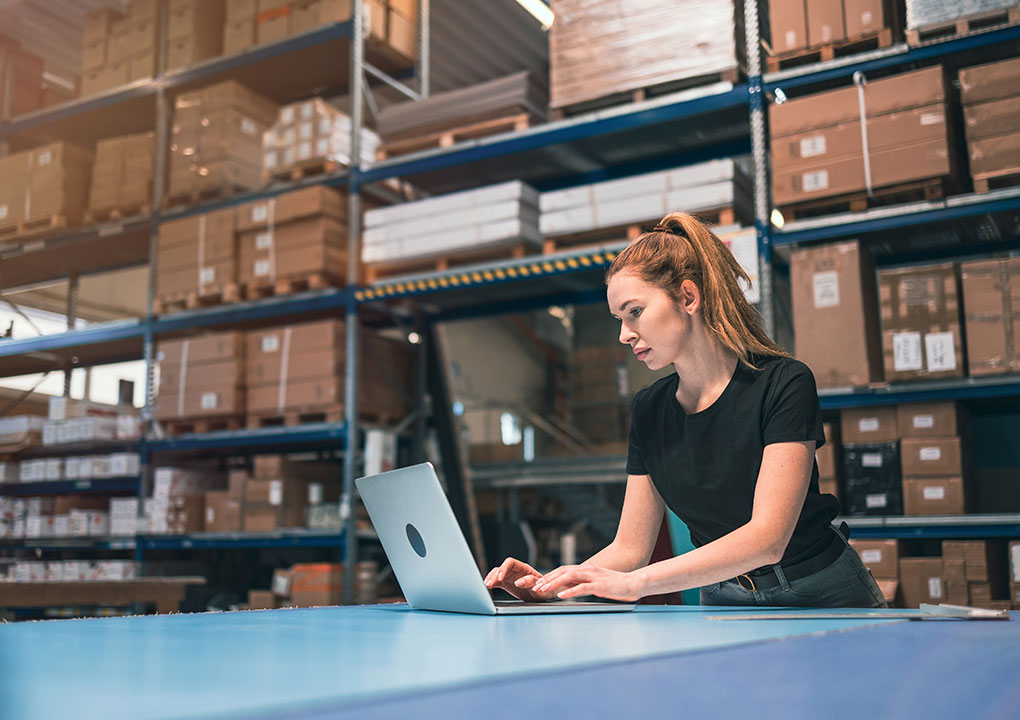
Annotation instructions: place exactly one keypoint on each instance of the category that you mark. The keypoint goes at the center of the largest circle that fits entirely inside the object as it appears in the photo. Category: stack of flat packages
(311, 134)
(47, 185)
(818, 149)
(201, 377)
(925, 13)
(697, 188)
(217, 140)
(490, 217)
(292, 237)
(519, 94)
(299, 370)
(991, 106)
(801, 24)
(122, 174)
(197, 255)
(599, 49)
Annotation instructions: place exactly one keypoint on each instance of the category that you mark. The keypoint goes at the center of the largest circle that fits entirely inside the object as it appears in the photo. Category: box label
(811, 146)
(879, 500)
(940, 351)
(261, 268)
(248, 126)
(305, 131)
(275, 492)
(924, 422)
(867, 425)
(210, 515)
(791, 38)
(264, 241)
(209, 401)
(817, 180)
(322, 147)
(314, 493)
(826, 289)
(935, 587)
(907, 351)
(3, 212)
(45, 158)
(259, 213)
(934, 493)
(871, 556)
(270, 343)
(206, 276)
(931, 454)
(931, 118)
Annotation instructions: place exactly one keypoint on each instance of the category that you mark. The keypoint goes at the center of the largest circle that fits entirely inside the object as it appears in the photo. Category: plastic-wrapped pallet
(311, 133)
(492, 216)
(923, 13)
(696, 188)
(601, 48)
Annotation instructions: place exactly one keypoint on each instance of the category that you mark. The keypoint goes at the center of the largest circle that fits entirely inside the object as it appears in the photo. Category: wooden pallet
(375, 272)
(931, 189)
(628, 232)
(177, 302)
(196, 197)
(829, 51)
(986, 182)
(288, 285)
(35, 226)
(733, 75)
(446, 138)
(331, 413)
(182, 426)
(95, 216)
(302, 170)
(979, 22)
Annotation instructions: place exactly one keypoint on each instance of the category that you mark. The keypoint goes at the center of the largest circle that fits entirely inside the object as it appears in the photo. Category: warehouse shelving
(71, 487)
(936, 526)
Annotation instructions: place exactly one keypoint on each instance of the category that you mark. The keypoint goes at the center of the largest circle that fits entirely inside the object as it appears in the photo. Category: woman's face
(651, 322)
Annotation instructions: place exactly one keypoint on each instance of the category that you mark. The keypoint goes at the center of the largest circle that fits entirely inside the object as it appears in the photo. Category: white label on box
(210, 515)
(287, 115)
(307, 110)
(940, 351)
(270, 343)
(210, 401)
(924, 422)
(261, 268)
(259, 213)
(876, 501)
(206, 276)
(872, 460)
(935, 587)
(931, 454)
(871, 556)
(817, 180)
(931, 118)
(907, 351)
(3, 212)
(314, 493)
(867, 425)
(322, 147)
(305, 131)
(275, 492)
(270, 160)
(791, 38)
(264, 241)
(45, 158)
(826, 287)
(866, 17)
(304, 150)
(935, 493)
(248, 126)
(1014, 561)
(811, 146)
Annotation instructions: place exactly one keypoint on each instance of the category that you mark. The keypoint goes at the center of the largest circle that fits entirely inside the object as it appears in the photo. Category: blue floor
(372, 661)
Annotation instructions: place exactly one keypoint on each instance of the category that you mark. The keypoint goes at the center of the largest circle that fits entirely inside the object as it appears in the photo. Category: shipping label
(940, 351)
(826, 289)
(907, 351)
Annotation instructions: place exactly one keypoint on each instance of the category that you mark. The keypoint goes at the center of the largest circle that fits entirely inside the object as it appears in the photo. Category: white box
(33, 527)
(123, 526)
(61, 526)
(78, 523)
(124, 464)
(54, 469)
(77, 570)
(35, 506)
(129, 427)
(98, 523)
(55, 571)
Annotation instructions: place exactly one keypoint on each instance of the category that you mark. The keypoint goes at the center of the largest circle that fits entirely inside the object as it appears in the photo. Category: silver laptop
(428, 553)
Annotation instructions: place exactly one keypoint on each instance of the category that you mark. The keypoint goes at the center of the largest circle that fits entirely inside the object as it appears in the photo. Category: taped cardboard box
(265, 517)
(316, 584)
(921, 581)
(881, 557)
(238, 35)
(223, 513)
(869, 425)
(991, 81)
(835, 314)
(272, 25)
(867, 17)
(825, 23)
(991, 294)
(50, 181)
(295, 205)
(934, 496)
(211, 347)
(211, 276)
(788, 23)
(931, 457)
(261, 600)
(122, 173)
(926, 420)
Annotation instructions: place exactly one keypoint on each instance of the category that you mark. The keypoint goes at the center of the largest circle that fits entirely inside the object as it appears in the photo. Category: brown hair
(682, 248)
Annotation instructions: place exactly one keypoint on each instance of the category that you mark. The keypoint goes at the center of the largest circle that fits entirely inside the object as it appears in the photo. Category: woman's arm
(638, 530)
(778, 499)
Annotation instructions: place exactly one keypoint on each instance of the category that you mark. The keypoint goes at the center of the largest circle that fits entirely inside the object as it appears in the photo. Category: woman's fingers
(528, 581)
(576, 591)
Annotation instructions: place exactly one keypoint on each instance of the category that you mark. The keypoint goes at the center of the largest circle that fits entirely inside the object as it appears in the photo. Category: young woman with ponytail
(727, 443)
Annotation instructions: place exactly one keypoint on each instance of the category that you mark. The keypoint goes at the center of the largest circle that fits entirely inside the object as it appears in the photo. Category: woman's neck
(704, 372)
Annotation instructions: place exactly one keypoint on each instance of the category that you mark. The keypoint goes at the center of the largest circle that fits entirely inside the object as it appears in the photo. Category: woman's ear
(690, 297)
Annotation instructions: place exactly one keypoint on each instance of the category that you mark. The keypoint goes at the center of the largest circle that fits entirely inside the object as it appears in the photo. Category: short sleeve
(635, 463)
(792, 412)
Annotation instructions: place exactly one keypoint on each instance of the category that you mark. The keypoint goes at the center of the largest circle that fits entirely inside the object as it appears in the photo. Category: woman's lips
(642, 354)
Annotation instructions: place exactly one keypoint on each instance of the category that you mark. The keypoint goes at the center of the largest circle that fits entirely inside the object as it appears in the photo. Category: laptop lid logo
(414, 537)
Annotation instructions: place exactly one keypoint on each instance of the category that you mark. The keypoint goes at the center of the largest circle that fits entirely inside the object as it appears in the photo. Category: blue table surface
(390, 661)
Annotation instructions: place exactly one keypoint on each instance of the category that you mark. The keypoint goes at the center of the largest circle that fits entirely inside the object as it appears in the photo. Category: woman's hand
(572, 581)
(519, 579)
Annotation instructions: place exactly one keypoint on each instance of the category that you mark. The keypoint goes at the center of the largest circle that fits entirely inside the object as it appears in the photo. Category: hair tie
(662, 228)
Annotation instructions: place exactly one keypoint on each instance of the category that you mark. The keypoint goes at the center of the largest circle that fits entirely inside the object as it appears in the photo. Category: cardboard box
(864, 17)
(825, 22)
(882, 557)
(200, 20)
(316, 584)
(260, 518)
(93, 56)
(143, 9)
(402, 34)
(933, 496)
(920, 310)
(931, 457)
(921, 581)
(1014, 595)
(57, 183)
(991, 81)
(869, 425)
(261, 600)
(872, 484)
(992, 118)
(313, 13)
(991, 302)
(990, 155)
(122, 173)
(298, 204)
(223, 513)
(835, 314)
(201, 350)
(924, 420)
(272, 26)
(238, 35)
(98, 23)
(240, 9)
(187, 51)
(788, 22)
(237, 481)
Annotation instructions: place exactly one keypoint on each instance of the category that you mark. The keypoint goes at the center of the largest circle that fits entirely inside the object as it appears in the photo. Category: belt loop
(781, 576)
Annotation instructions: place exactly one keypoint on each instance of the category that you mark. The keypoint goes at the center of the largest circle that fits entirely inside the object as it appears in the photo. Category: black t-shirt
(705, 465)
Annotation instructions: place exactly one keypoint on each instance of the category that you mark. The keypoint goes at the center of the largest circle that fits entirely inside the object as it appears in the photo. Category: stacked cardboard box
(593, 53)
(296, 236)
(991, 104)
(825, 459)
(122, 175)
(819, 149)
(882, 558)
(991, 304)
(201, 377)
(871, 462)
(974, 571)
(216, 142)
(925, 13)
(48, 183)
(177, 505)
(835, 314)
(921, 581)
(314, 585)
(921, 325)
(932, 458)
(21, 78)
(194, 32)
(279, 492)
(798, 24)
(118, 49)
(298, 369)
(310, 134)
(196, 254)
(224, 509)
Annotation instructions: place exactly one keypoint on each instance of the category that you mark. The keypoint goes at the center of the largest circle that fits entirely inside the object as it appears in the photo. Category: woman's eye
(635, 312)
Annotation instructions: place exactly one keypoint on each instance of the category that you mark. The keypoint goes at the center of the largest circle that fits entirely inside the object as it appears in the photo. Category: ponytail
(681, 248)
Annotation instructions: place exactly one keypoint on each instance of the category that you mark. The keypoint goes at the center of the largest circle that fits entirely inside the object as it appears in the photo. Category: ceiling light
(540, 11)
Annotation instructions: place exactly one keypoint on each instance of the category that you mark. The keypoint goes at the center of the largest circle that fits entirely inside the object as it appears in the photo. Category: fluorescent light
(540, 11)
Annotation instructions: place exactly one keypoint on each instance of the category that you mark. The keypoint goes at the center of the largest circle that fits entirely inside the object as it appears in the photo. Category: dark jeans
(846, 582)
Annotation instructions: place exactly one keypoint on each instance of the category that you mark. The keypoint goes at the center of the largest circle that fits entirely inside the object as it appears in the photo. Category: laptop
(428, 552)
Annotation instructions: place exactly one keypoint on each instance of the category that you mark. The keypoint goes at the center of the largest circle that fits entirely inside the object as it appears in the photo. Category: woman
(728, 443)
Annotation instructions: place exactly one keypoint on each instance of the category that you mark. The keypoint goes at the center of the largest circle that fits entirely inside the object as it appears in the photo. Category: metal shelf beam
(254, 441)
(938, 526)
(924, 391)
(70, 487)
